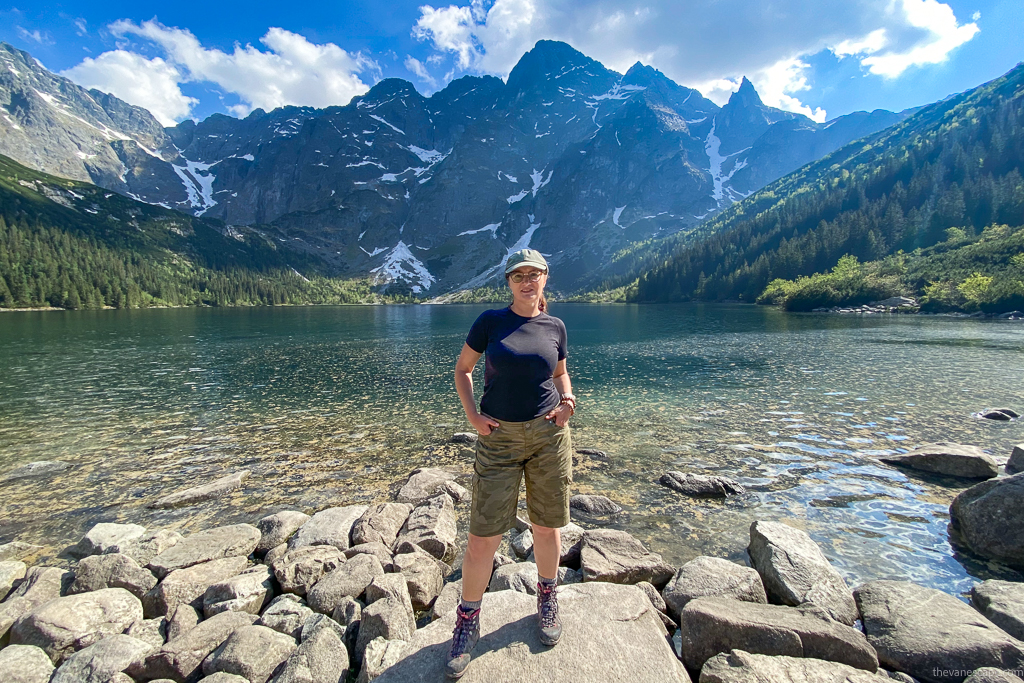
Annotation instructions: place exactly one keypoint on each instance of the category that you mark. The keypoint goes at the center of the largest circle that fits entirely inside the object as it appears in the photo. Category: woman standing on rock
(522, 430)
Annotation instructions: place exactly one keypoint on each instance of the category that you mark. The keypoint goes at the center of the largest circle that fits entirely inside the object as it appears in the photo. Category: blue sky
(189, 60)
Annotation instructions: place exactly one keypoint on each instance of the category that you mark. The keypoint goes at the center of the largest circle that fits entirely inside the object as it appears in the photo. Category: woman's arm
(464, 386)
(560, 378)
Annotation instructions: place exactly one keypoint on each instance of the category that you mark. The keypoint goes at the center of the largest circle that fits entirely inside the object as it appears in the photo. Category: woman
(522, 431)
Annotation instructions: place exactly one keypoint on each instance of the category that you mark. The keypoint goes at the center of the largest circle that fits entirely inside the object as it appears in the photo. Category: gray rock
(522, 544)
(253, 652)
(500, 560)
(616, 557)
(931, 635)
(181, 658)
(41, 584)
(951, 459)
(144, 548)
(521, 576)
(332, 526)
(278, 528)
(221, 677)
(350, 579)
(1003, 603)
(236, 540)
(24, 664)
(422, 576)
(153, 632)
(990, 518)
(423, 483)
(458, 493)
(298, 570)
(407, 547)
(704, 577)
(181, 620)
(187, 586)
(447, 600)
(594, 505)
(385, 618)
(742, 667)
(988, 674)
(999, 414)
(321, 658)
(380, 654)
(65, 625)
(349, 614)
(199, 494)
(247, 592)
(1016, 462)
(39, 468)
(431, 526)
(286, 614)
(572, 542)
(104, 536)
(653, 595)
(274, 554)
(596, 616)
(17, 550)
(392, 586)
(317, 622)
(380, 524)
(711, 626)
(98, 662)
(795, 571)
(701, 485)
(378, 550)
(120, 677)
(10, 572)
(112, 571)
(464, 437)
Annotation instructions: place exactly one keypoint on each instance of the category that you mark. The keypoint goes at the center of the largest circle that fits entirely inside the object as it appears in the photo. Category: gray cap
(525, 257)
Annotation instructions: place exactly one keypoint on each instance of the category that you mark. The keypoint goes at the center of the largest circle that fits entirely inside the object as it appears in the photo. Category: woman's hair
(543, 305)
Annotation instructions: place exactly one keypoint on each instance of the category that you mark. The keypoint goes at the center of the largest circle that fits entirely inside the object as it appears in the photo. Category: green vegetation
(927, 186)
(73, 245)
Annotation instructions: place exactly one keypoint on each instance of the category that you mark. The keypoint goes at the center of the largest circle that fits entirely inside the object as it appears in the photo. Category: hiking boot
(547, 614)
(464, 637)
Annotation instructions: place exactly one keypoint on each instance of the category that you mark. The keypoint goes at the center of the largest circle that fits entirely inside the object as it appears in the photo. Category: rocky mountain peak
(546, 61)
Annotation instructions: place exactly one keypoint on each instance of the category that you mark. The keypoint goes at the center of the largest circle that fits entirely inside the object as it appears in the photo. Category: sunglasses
(533, 276)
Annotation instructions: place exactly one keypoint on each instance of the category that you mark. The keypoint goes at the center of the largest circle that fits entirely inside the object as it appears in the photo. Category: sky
(817, 57)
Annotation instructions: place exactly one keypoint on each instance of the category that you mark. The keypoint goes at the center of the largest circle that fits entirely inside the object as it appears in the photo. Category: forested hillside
(955, 164)
(73, 245)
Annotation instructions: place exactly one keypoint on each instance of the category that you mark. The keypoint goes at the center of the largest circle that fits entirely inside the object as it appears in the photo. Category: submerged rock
(594, 504)
(990, 518)
(39, 468)
(701, 485)
(199, 494)
(1003, 603)
(704, 577)
(950, 459)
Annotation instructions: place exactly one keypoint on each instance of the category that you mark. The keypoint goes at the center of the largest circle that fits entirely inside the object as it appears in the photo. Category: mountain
(430, 194)
(945, 178)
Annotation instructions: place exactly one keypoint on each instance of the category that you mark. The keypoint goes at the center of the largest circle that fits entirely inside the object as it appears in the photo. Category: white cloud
(81, 28)
(292, 71)
(699, 43)
(149, 83)
(420, 69)
(32, 35)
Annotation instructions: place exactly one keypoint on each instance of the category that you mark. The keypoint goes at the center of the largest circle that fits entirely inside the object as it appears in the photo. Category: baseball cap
(525, 257)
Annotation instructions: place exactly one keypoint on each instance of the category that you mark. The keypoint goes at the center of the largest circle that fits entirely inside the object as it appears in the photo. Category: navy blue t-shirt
(521, 355)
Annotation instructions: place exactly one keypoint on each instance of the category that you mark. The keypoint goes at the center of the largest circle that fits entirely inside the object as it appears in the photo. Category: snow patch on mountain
(400, 265)
(395, 128)
(518, 196)
(538, 183)
(618, 212)
(522, 243)
(198, 183)
(427, 156)
(493, 227)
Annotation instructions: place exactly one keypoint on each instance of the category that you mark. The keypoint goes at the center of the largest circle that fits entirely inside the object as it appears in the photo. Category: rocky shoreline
(366, 592)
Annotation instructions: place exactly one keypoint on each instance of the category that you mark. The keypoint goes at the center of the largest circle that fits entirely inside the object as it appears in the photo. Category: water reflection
(335, 405)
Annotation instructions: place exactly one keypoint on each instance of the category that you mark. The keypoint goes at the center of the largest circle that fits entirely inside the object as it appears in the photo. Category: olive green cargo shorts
(542, 451)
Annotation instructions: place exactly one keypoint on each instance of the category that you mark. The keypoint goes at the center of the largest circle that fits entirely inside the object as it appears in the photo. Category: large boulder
(112, 571)
(24, 664)
(704, 577)
(100, 661)
(204, 492)
(147, 546)
(321, 658)
(742, 667)
(711, 626)
(181, 659)
(392, 586)
(594, 504)
(181, 620)
(187, 586)
(253, 652)
(424, 483)
(18, 550)
(1016, 462)
(431, 526)
(990, 518)
(278, 528)
(571, 536)
(379, 655)
(236, 540)
(350, 579)
(298, 570)
(988, 674)
(287, 614)
(385, 618)
(422, 576)
(931, 635)
(701, 485)
(381, 524)
(601, 622)
(615, 556)
(950, 459)
(153, 632)
(65, 625)
(104, 536)
(332, 526)
(10, 572)
(40, 585)
(1003, 603)
(378, 550)
(795, 571)
(247, 592)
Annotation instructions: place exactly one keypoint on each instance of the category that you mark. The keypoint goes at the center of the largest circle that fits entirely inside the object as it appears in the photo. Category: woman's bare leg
(477, 565)
(547, 549)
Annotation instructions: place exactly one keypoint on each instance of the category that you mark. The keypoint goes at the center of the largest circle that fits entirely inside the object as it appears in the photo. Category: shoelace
(548, 606)
(465, 623)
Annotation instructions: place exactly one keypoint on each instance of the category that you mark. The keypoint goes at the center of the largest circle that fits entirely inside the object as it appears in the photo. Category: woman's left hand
(560, 414)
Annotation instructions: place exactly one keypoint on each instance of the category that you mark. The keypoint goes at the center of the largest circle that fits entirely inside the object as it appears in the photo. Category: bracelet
(569, 400)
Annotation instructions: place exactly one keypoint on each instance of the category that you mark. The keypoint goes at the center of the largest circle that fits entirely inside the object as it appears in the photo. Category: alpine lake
(329, 406)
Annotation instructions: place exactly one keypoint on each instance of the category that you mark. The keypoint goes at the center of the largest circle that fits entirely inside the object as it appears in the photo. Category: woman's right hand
(483, 424)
